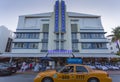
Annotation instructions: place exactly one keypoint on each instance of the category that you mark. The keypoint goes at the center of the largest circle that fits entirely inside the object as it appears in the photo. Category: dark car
(7, 69)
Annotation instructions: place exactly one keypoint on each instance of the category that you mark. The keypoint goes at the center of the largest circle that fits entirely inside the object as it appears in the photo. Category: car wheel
(47, 79)
(93, 80)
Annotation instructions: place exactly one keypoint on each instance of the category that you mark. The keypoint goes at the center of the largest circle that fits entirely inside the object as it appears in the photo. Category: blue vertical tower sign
(57, 16)
(60, 10)
(63, 16)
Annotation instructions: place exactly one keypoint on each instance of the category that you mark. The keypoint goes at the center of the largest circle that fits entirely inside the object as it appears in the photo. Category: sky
(109, 10)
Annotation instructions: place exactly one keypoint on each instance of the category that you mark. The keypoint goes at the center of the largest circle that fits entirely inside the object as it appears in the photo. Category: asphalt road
(115, 78)
(29, 78)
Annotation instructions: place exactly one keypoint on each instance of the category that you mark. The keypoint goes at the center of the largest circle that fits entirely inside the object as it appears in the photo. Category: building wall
(112, 46)
(89, 33)
(5, 34)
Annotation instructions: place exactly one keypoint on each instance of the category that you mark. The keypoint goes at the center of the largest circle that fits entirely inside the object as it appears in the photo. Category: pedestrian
(23, 67)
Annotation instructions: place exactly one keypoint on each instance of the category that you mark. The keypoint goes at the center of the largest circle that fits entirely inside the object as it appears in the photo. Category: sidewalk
(111, 72)
(27, 72)
(114, 72)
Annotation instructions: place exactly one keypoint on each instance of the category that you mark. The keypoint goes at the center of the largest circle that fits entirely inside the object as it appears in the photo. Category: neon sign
(62, 16)
(57, 16)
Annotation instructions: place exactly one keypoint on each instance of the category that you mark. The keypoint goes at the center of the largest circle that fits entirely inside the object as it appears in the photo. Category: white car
(115, 67)
(104, 68)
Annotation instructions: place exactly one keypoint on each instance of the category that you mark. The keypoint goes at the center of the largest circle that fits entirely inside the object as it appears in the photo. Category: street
(115, 78)
(18, 78)
(28, 77)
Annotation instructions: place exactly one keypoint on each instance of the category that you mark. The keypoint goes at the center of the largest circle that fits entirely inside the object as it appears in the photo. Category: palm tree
(116, 36)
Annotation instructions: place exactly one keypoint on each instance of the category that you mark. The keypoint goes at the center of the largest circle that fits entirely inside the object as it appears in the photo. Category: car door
(81, 74)
(67, 74)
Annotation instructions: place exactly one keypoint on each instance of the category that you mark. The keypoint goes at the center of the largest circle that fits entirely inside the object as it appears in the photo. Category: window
(45, 35)
(74, 35)
(62, 45)
(74, 27)
(67, 69)
(25, 45)
(45, 27)
(74, 46)
(44, 46)
(94, 45)
(20, 45)
(57, 45)
(86, 45)
(45, 20)
(74, 20)
(92, 35)
(27, 35)
(81, 69)
(62, 36)
(33, 45)
(57, 36)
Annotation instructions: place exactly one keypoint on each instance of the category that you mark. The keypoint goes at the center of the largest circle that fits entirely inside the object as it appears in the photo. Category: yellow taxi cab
(73, 73)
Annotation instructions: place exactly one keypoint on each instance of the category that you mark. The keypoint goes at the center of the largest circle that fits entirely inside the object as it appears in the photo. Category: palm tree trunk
(118, 45)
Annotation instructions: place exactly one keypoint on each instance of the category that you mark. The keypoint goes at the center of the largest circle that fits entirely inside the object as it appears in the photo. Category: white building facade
(5, 35)
(112, 46)
(60, 34)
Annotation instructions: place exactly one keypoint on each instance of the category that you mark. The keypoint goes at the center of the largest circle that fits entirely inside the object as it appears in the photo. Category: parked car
(104, 68)
(91, 66)
(73, 72)
(115, 68)
(7, 69)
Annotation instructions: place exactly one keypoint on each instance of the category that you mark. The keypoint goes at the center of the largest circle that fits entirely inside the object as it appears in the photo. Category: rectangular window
(80, 69)
(62, 45)
(74, 35)
(45, 35)
(27, 35)
(92, 35)
(74, 27)
(74, 46)
(25, 45)
(44, 46)
(45, 27)
(45, 20)
(57, 45)
(33, 45)
(62, 36)
(74, 20)
(20, 45)
(57, 36)
(94, 45)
